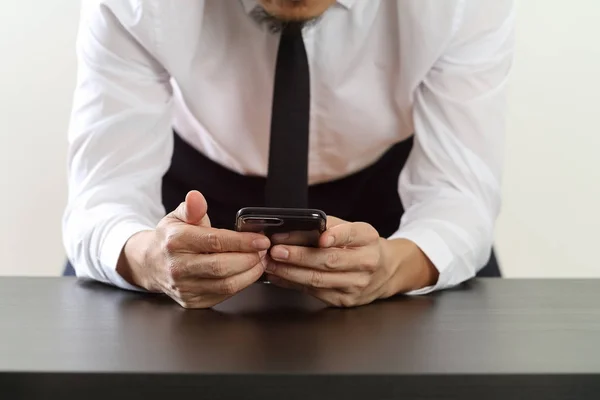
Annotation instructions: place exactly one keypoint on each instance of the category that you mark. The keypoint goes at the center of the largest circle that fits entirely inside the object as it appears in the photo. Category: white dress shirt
(381, 70)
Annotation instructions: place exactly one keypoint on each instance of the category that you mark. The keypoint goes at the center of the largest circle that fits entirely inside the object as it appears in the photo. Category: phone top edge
(269, 211)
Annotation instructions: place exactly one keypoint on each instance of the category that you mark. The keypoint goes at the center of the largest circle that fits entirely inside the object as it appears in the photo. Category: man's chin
(296, 11)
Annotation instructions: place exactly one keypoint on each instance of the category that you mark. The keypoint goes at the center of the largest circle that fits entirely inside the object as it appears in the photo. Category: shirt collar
(249, 5)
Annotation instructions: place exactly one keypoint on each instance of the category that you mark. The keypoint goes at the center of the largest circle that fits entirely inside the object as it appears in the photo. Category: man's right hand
(196, 265)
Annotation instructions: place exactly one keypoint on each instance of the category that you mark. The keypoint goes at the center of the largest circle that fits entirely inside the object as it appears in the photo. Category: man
(398, 108)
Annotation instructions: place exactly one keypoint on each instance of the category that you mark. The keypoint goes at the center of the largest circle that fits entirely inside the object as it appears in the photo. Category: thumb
(334, 221)
(193, 210)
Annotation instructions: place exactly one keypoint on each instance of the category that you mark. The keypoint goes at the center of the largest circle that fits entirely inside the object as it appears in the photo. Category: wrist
(132, 265)
(410, 268)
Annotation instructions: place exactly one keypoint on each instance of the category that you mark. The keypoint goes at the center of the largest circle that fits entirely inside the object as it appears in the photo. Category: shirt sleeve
(120, 138)
(450, 186)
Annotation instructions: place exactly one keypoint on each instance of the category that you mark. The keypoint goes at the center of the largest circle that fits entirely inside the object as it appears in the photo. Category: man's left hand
(352, 266)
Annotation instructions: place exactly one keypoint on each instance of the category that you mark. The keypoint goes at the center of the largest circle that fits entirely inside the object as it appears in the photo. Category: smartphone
(292, 226)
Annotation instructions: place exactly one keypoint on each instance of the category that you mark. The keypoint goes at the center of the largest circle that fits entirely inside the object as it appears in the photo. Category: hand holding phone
(290, 226)
(195, 264)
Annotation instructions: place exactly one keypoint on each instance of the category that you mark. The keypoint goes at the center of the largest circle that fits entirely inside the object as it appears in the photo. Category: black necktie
(287, 181)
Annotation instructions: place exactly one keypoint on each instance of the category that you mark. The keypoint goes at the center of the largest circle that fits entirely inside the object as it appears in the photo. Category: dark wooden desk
(492, 339)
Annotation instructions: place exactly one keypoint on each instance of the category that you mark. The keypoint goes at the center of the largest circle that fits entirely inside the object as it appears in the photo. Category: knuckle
(332, 260)
(216, 267)
(188, 305)
(345, 301)
(170, 242)
(174, 271)
(367, 231)
(214, 242)
(174, 292)
(189, 300)
(352, 232)
(236, 243)
(300, 255)
(371, 233)
(316, 279)
(178, 213)
(163, 224)
(229, 286)
(371, 261)
(252, 260)
(197, 304)
(362, 283)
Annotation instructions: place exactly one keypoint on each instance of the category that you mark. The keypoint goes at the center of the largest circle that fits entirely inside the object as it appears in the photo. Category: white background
(551, 215)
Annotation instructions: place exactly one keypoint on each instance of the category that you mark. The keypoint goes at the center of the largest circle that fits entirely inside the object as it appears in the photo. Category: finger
(297, 238)
(233, 284)
(304, 238)
(214, 266)
(355, 234)
(193, 239)
(334, 221)
(334, 259)
(317, 279)
(193, 210)
(195, 287)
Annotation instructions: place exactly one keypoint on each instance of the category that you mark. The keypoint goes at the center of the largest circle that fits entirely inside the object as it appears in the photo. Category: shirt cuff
(111, 252)
(438, 252)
